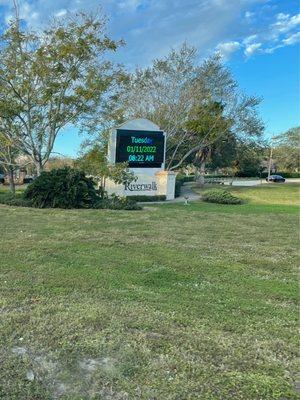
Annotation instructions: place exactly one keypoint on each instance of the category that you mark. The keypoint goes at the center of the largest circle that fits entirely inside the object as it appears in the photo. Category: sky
(258, 40)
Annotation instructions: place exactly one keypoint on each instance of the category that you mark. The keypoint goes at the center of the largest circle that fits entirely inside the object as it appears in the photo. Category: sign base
(147, 184)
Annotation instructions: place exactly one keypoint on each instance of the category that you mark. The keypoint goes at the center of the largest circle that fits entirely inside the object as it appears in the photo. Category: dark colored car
(275, 178)
(2, 178)
(28, 179)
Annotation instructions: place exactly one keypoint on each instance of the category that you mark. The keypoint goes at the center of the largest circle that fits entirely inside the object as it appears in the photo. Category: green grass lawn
(274, 193)
(269, 193)
(171, 302)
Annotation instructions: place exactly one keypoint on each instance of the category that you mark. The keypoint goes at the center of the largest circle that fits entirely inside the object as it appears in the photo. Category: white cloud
(131, 5)
(60, 13)
(285, 23)
(295, 38)
(150, 27)
(249, 14)
(270, 50)
(281, 33)
(282, 16)
(227, 48)
(249, 39)
(251, 49)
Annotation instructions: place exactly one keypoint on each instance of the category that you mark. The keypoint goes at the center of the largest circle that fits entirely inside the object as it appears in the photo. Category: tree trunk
(11, 180)
(200, 176)
(39, 167)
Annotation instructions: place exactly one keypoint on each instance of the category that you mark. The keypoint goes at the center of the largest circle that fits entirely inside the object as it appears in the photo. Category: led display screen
(140, 149)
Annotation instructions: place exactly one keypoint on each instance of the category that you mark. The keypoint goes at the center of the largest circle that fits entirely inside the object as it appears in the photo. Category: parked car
(275, 178)
(28, 179)
(2, 178)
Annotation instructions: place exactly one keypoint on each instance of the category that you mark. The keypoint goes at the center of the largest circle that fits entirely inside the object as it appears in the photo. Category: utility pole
(270, 159)
(270, 163)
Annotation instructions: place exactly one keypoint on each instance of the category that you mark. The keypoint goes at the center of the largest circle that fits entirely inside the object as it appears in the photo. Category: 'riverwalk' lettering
(140, 186)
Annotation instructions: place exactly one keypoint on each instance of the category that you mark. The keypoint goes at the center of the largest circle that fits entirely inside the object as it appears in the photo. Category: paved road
(186, 189)
(255, 182)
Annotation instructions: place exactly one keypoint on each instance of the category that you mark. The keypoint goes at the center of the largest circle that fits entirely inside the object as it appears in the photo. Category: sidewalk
(185, 191)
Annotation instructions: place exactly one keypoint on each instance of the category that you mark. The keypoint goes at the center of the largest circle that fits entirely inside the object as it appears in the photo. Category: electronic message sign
(140, 149)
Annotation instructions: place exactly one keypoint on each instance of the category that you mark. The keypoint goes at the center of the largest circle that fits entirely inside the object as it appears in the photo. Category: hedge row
(14, 200)
(115, 203)
(146, 198)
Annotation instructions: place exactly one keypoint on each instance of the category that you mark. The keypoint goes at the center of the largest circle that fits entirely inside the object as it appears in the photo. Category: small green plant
(62, 188)
(117, 203)
(220, 196)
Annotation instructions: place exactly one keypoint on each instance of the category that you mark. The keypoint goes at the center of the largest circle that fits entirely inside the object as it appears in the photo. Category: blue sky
(259, 40)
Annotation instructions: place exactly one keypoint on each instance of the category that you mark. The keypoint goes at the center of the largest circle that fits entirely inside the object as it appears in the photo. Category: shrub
(214, 181)
(146, 198)
(62, 188)
(117, 203)
(220, 196)
(213, 176)
(66, 188)
(186, 178)
(14, 200)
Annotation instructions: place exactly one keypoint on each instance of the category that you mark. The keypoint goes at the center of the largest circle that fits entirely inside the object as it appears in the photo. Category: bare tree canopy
(175, 92)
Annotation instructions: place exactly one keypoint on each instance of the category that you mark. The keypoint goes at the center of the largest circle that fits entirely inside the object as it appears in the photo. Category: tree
(287, 150)
(223, 153)
(51, 79)
(249, 158)
(8, 153)
(93, 162)
(208, 127)
(175, 88)
(55, 162)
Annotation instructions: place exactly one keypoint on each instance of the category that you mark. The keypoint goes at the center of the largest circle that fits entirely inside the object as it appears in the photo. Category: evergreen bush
(220, 196)
(62, 188)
